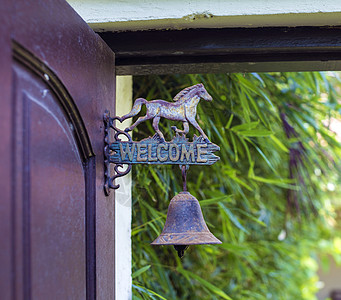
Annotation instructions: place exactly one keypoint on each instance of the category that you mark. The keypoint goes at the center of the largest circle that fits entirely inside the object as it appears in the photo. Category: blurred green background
(273, 198)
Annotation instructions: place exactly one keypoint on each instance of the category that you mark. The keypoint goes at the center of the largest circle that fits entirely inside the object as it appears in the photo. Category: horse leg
(194, 122)
(138, 121)
(184, 131)
(156, 121)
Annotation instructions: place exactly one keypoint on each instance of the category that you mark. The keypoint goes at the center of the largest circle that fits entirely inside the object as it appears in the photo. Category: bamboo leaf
(217, 291)
(216, 200)
(147, 291)
(233, 218)
(245, 126)
(279, 144)
(256, 133)
(229, 122)
(262, 175)
(140, 271)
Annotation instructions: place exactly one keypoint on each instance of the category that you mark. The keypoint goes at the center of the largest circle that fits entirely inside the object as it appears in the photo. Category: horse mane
(179, 96)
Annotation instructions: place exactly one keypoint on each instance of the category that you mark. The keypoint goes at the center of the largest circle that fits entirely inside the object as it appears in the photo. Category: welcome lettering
(187, 153)
(128, 150)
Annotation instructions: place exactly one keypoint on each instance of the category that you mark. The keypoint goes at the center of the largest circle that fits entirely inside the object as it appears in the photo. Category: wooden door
(56, 225)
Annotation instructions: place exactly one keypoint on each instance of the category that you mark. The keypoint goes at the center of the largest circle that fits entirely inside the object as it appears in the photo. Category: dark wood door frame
(226, 50)
(48, 41)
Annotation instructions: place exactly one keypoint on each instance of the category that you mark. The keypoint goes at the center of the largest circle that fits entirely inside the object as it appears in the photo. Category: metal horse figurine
(184, 109)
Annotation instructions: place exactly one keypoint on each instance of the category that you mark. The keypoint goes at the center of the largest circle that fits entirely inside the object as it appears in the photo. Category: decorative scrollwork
(117, 172)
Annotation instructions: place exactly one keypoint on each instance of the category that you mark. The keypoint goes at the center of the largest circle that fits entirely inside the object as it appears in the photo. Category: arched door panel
(56, 225)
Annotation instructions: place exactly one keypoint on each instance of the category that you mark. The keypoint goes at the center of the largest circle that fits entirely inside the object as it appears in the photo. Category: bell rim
(170, 241)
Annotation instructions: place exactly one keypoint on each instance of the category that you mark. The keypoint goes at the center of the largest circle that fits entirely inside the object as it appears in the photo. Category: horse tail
(136, 108)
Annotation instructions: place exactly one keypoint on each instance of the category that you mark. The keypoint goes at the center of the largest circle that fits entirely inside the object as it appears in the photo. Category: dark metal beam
(226, 50)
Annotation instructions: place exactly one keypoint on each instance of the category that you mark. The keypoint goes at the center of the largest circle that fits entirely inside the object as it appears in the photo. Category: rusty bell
(185, 225)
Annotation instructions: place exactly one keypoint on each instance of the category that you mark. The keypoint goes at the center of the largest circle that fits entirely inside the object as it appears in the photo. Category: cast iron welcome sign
(179, 151)
(155, 150)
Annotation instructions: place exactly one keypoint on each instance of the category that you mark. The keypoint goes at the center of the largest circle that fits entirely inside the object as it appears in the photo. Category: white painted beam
(178, 14)
(124, 93)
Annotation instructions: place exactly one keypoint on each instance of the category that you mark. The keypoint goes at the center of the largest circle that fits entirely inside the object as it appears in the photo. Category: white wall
(163, 14)
(124, 92)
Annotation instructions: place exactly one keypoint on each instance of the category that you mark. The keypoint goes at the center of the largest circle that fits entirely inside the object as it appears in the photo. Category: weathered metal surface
(184, 169)
(185, 224)
(181, 249)
(183, 109)
(119, 170)
(178, 151)
(155, 150)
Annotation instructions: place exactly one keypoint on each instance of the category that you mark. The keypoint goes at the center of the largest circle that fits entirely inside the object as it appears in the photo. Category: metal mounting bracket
(118, 169)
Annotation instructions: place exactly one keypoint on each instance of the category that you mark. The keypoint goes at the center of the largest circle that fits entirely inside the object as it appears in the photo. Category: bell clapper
(180, 249)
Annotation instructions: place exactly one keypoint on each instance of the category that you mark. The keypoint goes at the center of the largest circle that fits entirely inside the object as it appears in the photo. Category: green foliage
(265, 199)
